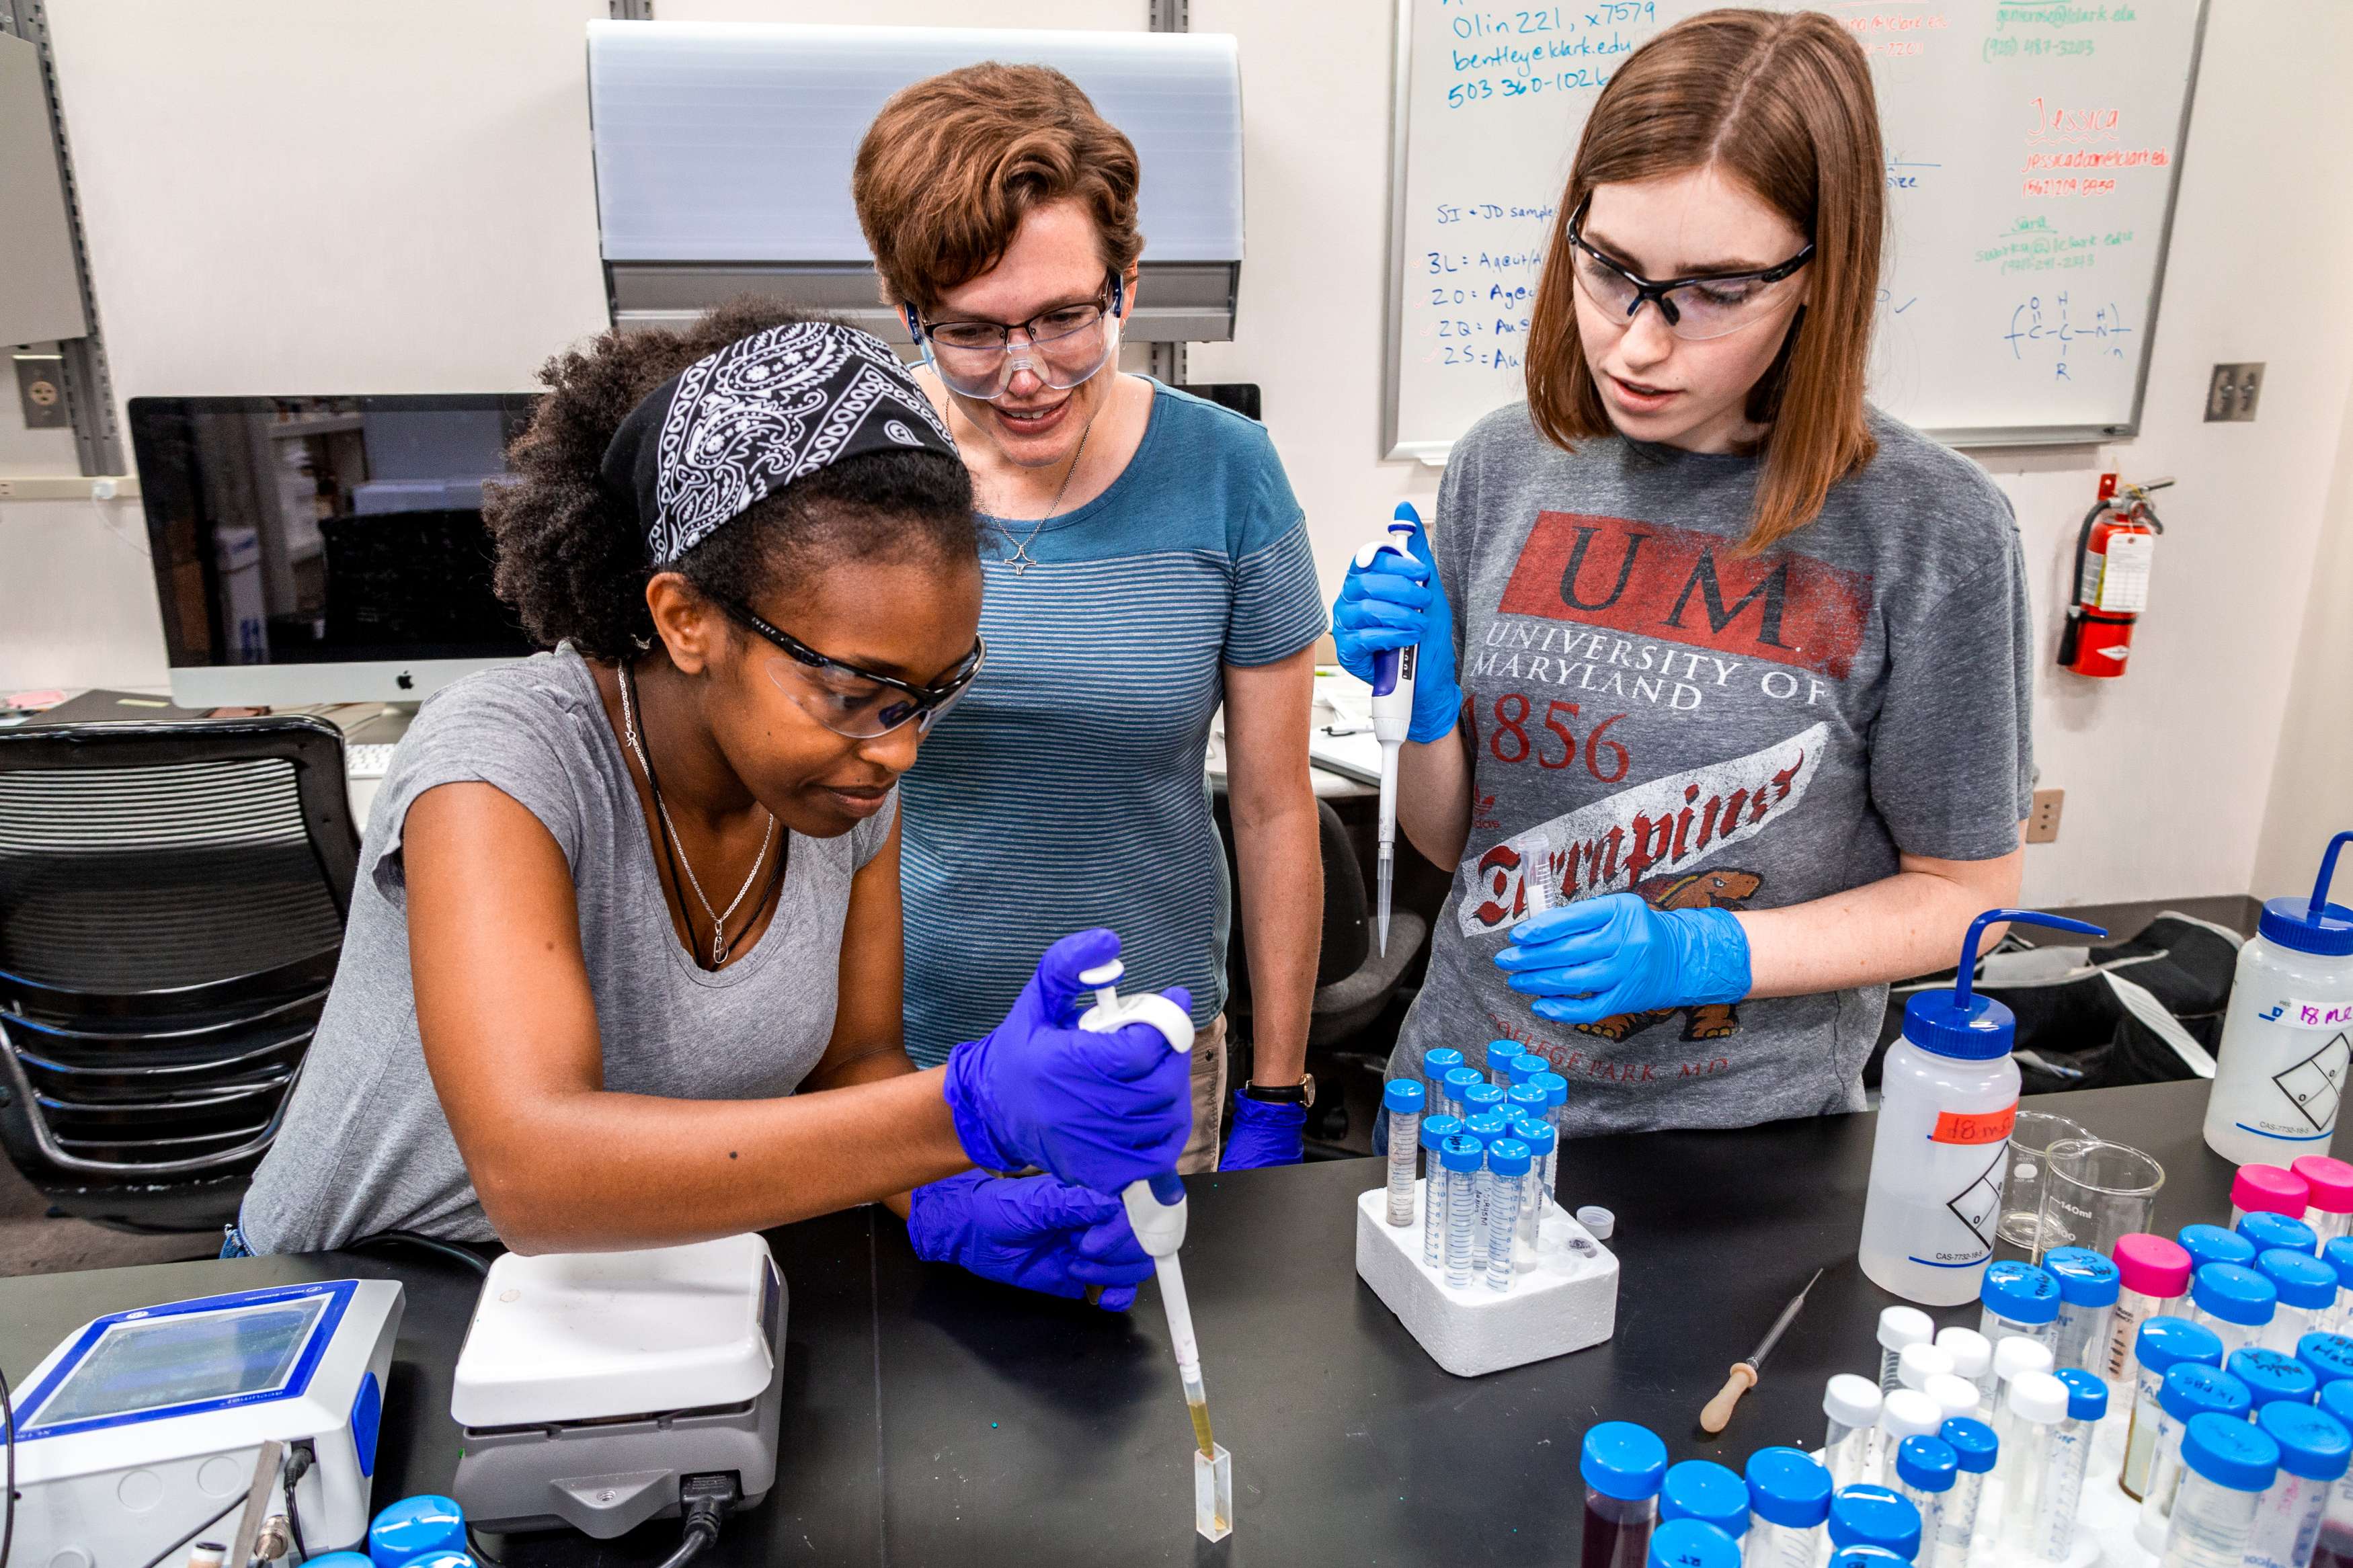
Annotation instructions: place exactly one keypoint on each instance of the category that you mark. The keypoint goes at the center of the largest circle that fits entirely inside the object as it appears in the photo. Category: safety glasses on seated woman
(857, 702)
(1695, 309)
(1061, 347)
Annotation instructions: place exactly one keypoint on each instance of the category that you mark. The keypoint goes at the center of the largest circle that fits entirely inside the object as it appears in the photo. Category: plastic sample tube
(1481, 1100)
(1543, 1149)
(1524, 1098)
(2235, 1302)
(1501, 1055)
(1402, 1099)
(2335, 1548)
(2315, 1448)
(1622, 1466)
(1435, 1066)
(1463, 1155)
(2337, 1253)
(1851, 1404)
(1789, 1503)
(2071, 1458)
(2036, 1404)
(2267, 1189)
(1693, 1544)
(2329, 1357)
(1906, 1413)
(1507, 1174)
(1974, 1449)
(2152, 1277)
(1925, 1469)
(1874, 1516)
(2088, 1287)
(2164, 1342)
(2190, 1391)
(2230, 1465)
(1706, 1492)
(1971, 1352)
(2307, 1289)
(1921, 1362)
(2267, 1230)
(2212, 1244)
(1955, 1395)
(1435, 1131)
(1457, 1082)
(2330, 1184)
(1555, 1089)
(2021, 1301)
(1898, 1326)
(2013, 1359)
(1488, 1128)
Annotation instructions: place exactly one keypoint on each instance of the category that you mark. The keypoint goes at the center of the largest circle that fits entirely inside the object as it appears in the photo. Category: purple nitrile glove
(1099, 1111)
(1600, 957)
(1034, 1232)
(1264, 1135)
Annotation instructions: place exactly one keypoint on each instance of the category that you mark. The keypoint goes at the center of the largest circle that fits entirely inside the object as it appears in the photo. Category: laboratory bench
(931, 1417)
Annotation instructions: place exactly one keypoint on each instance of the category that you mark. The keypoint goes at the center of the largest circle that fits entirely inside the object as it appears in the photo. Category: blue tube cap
(2085, 1278)
(415, 1526)
(1704, 1491)
(2266, 1230)
(2336, 1398)
(2020, 1292)
(1436, 1130)
(1403, 1094)
(2270, 1377)
(1527, 1098)
(2299, 1279)
(1537, 1135)
(1693, 1544)
(1621, 1461)
(1868, 1557)
(1972, 1442)
(2191, 1390)
(2164, 1342)
(1788, 1487)
(2330, 1356)
(1482, 1097)
(2231, 1452)
(2087, 1396)
(1462, 1152)
(341, 1560)
(1874, 1516)
(2313, 1444)
(2212, 1244)
(1525, 1066)
(1555, 1088)
(1459, 1082)
(1926, 1464)
(1507, 1157)
(2337, 1253)
(1437, 1064)
(1487, 1127)
(2235, 1294)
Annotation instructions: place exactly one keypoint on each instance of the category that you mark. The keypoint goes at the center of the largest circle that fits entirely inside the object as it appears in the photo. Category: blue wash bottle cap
(2085, 1278)
(2192, 1388)
(1402, 1095)
(2235, 1294)
(2299, 1279)
(1481, 1097)
(2212, 1244)
(2337, 1253)
(1436, 1130)
(1555, 1088)
(1621, 1461)
(2019, 1292)
(2270, 1377)
(1462, 1152)
(1507, 1157)
(1693, 1544)
(415, 1526)
(2164, 1342)
(1487, 1127)
(1958, 1022)
(1874, 1516)
(2330, 1356)
(1786, 1485)
(2266, 1230)
(1704, 1491)
(2313, 1444)
(2231, 1452)
(1438, 1063)
(2312, 925)
(1926, 1464)
(1973, 1444)
(1528, 1098)
(2336, 1398)
(2087, 1396)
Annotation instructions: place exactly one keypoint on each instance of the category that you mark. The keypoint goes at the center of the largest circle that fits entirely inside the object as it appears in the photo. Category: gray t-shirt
(364, 1146)
(1652, 711)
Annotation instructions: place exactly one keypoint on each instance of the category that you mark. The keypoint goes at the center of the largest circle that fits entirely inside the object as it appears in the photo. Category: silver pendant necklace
(719, 919)
(1022, 560)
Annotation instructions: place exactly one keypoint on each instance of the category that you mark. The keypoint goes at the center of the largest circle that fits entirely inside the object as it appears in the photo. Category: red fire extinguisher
(2112, 554)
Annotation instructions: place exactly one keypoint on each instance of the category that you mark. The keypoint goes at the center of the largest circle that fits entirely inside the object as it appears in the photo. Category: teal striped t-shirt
(1067, 789)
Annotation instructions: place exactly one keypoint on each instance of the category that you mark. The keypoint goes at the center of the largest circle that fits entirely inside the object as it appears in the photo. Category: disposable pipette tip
(1383, 874)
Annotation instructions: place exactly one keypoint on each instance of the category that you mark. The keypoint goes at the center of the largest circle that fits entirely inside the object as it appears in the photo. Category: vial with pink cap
(2153, 1277)
(2330, 1183)
(2267, 1189)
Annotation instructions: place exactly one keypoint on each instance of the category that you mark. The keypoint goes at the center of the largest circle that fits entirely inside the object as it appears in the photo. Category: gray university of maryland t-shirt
(1652, 712)
(364, 1146)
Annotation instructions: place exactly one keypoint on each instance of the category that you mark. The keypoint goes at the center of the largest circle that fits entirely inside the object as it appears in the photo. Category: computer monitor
(324, 549)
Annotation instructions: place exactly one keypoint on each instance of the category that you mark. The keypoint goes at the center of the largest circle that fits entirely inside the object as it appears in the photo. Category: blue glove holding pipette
(1600, 957)
(1035, 1232)
(1390, 601)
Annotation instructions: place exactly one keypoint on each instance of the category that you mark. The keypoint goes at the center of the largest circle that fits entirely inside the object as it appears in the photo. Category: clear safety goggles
(1714, 305)
(1061, 347)
(857, 702)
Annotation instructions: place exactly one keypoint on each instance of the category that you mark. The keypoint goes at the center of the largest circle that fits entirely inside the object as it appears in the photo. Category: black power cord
(422, 1243)
(291, 1471)
(705, 1500)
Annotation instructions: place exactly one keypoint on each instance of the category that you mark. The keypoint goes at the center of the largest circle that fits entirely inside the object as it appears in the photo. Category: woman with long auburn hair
(1722, 702)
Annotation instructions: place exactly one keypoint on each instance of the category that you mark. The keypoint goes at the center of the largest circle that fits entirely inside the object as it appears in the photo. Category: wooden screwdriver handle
(1718, 1413)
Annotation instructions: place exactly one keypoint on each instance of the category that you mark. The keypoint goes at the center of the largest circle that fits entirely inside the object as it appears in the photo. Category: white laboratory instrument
(144, 1429)
(593, 1385)
(1392, 716)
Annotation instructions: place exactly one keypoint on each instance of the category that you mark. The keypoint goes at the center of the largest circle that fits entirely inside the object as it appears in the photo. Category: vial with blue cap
(2190, 1391)
(2315, 1451)
(2163, 1343)
(1874, 1516)
(1544, 1149)
(2329, 1356)
(1866, 1557)
(2234, 1302)
(2273, 1096)
(2306, 1292)
(2271, 1377)
(2070, 1460)
(1462, 1157)
(2019, 1302)
(1789, 1503)
(1501, 1055)
(2227, 1466)
(1435, 1131)
(1436, 1063)
(1482, 1099)
(1490, 1128)
(1948, 1097)
(1458, 1082)
(1402, 1099)
(1704, 1491)
(1925, 1469)
(1525, 1099)
(2088, 1287)
(1692, 1543)
(1507, 1184)
(2334, 1549)
(1525, 1065)
(2337, 1253)
(1622, 1466)
(2212, 1244)
(1974, 1453)
(1555, 1089)
(2265, 1230)
(416, 1527)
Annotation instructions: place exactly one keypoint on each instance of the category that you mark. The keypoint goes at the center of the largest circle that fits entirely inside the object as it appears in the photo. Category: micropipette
(1392, 716)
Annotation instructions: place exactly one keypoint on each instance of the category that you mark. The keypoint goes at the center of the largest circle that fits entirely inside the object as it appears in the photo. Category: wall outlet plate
(2232, 391)
(2042, 820)
(40, 390)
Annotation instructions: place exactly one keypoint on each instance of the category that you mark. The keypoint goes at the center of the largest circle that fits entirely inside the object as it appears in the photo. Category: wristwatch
(1302, 1094)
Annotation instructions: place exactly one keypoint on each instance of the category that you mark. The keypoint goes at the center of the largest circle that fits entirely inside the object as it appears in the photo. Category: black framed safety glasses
(1695, 309)
(859, 703)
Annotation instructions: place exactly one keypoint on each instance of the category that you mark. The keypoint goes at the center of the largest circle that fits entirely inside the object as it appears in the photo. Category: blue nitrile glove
(1100, 1111)
(1392, 603)
(1601, 957)
(1032, 1231)
(1264, 1135)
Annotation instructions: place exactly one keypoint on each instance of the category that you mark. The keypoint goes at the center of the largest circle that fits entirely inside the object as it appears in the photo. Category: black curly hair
(571, 555)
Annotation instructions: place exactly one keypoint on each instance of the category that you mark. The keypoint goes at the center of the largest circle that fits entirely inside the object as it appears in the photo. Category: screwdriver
(1718, 1413)
(1392, 715)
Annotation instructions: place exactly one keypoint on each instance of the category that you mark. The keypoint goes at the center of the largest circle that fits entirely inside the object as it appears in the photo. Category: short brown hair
(953, 164)
(1784, 103)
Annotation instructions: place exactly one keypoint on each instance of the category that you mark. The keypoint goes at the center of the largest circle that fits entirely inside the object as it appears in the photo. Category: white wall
(395, 196)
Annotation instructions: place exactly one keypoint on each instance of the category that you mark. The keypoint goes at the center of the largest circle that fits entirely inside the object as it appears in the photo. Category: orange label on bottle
(1974, 1126)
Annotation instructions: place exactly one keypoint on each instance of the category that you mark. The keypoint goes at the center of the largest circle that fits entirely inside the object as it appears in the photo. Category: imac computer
(319, 550)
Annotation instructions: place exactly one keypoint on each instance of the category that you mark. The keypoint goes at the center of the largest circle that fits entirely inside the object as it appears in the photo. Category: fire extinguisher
(2112, 554)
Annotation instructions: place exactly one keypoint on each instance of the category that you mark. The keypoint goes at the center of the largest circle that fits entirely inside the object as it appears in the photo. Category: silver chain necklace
(719, 942)
(1022, 560)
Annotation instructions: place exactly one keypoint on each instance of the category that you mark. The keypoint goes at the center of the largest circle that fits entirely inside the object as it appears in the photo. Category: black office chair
(171, 906)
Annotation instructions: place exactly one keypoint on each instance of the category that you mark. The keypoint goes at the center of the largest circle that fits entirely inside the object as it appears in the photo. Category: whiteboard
(2032, 148)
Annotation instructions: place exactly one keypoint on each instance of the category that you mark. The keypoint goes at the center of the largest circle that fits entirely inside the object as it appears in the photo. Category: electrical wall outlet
(2043, 822)
(2233, 391)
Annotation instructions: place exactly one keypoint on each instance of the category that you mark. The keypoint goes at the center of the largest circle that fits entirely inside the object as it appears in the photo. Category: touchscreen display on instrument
(184, 1359)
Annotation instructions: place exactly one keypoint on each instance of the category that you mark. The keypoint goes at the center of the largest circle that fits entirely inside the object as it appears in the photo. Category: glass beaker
(2020, 1215)
(2095, 1194)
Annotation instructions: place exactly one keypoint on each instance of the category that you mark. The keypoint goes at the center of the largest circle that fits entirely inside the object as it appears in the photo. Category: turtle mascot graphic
(1724, 889)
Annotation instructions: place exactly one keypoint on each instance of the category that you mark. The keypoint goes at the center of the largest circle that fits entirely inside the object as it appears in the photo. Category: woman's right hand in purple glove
(1099, 1111)
(1031, 1231)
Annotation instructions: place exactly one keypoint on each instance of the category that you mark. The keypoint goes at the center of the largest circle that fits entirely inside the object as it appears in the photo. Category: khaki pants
(1209, 1100)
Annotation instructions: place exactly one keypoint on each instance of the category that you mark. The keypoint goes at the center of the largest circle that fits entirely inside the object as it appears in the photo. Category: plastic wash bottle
(1949, 1096)
(2282, 1063)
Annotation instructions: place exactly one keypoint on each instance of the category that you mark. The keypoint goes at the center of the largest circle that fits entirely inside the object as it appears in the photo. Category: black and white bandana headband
(730, 430)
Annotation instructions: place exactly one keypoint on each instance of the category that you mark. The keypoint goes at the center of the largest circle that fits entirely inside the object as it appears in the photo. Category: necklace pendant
(1021, 564)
